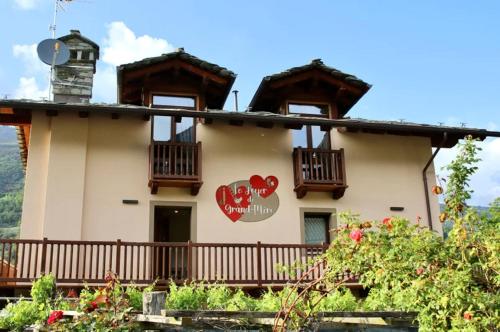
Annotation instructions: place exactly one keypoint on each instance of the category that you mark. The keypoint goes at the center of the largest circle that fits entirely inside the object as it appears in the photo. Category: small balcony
(175, 164)
(319, 170)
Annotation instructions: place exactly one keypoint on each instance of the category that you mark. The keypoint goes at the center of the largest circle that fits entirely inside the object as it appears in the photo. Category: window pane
(308, 109)
(177, 101)
(315, 228)
(161, 130)
(184, 130)
(299, 137)
(320, 138)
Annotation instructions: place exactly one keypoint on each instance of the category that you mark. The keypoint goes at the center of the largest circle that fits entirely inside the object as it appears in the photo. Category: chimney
(73, 80)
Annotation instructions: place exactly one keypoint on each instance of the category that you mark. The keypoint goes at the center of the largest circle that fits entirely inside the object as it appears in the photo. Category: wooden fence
(75, 262)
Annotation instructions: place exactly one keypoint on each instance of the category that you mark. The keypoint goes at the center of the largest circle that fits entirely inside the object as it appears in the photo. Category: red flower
(54, 317)
(91, 306)
(356, 235)
(467, 315)
(387, 222)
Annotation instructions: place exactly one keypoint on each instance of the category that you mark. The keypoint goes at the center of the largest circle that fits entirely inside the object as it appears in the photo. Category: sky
(428, 61)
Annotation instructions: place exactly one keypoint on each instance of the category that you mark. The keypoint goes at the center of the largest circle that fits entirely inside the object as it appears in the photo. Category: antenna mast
(52, 29)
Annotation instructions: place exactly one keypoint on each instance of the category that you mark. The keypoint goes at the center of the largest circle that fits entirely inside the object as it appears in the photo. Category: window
(188, 102)
(316, 228)
(309, 109)
(311, 137)
(166, 128)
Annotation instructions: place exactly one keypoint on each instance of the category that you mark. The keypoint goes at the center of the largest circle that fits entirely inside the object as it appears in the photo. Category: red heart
(264, 187)
(231, 204)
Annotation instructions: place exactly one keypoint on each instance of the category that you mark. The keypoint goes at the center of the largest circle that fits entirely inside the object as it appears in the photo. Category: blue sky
(428, 61)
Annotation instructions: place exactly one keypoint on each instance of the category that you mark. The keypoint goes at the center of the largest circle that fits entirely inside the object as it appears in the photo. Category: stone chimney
(73, 80)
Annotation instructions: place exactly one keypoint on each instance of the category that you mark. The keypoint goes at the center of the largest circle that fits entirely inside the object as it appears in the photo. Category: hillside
(11, 183)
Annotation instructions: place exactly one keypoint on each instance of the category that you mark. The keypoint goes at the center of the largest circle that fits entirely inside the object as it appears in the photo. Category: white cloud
(28, 88)
(486, 181)
(27, 4)
(28, 54)
(121, 46)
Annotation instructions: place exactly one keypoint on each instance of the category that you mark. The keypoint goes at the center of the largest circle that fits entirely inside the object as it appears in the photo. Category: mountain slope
(11, 183)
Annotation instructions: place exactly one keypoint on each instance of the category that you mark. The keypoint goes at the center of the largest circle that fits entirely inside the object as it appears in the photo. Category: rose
(55, 316)
(91, 306)
(356, 235)
(387, 222)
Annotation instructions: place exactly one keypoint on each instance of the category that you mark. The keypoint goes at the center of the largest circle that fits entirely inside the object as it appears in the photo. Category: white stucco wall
(100, 161)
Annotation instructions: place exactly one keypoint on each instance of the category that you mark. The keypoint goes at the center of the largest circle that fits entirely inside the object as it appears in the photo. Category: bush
(17, 316)
(452, 283)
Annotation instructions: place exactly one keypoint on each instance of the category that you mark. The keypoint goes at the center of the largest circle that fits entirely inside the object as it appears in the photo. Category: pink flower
(356, 235)
(54, 317)
(420, 271)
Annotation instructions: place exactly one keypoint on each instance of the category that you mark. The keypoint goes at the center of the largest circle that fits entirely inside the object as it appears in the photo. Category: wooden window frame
(328, 212)
(173, 127)
(309, 103)
(180, 95)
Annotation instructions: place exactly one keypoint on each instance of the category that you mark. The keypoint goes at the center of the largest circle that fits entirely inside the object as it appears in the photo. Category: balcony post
(342, 166)
(189, 261)
(44, 254)
(118, 253)
(259, 264)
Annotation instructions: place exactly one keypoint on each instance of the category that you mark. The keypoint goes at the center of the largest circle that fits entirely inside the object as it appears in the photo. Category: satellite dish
(53, 52)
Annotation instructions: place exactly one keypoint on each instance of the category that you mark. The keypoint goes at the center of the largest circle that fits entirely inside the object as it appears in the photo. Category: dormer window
(177, 101)
(306, 109)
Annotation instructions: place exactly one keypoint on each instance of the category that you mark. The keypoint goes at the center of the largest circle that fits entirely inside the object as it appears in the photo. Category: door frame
(192, 222)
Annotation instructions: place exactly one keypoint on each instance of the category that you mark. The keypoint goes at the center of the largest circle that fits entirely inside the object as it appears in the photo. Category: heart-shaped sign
(264, 187)
(233, 205)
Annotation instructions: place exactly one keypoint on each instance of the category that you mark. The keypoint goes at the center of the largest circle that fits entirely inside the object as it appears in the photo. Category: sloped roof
(435, 133)
(318, 63)
(179, 54)
(262, 96)
(76, 34)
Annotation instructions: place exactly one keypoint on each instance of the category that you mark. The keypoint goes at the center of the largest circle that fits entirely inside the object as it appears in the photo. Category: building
(167, 184)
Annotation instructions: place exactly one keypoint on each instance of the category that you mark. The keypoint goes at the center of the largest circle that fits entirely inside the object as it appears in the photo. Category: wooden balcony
(175, 164)
(76, 262)
(319, 170)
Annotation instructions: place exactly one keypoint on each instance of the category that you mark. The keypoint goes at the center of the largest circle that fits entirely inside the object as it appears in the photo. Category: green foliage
(338, 300)
(134, 294)
(452, 283)
(11, 171)
(10, 209)
(17, 316)
(186, 297)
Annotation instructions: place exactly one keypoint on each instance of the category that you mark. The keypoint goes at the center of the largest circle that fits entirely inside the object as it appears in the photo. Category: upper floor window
(309, 109)
(187, 102)
(168, 129)
(311, 137)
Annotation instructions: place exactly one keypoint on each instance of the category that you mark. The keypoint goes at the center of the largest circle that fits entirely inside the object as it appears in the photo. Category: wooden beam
(14, 120)
(296, 126)
(52, 112)
(235, 122)
(115, 116)
(83, 114)
(315, 74)
(264, 124)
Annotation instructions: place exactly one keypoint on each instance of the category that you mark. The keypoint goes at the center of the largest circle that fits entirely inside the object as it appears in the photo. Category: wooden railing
(319, 166)
(175, 160)
(75, 262)
(319, 170)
